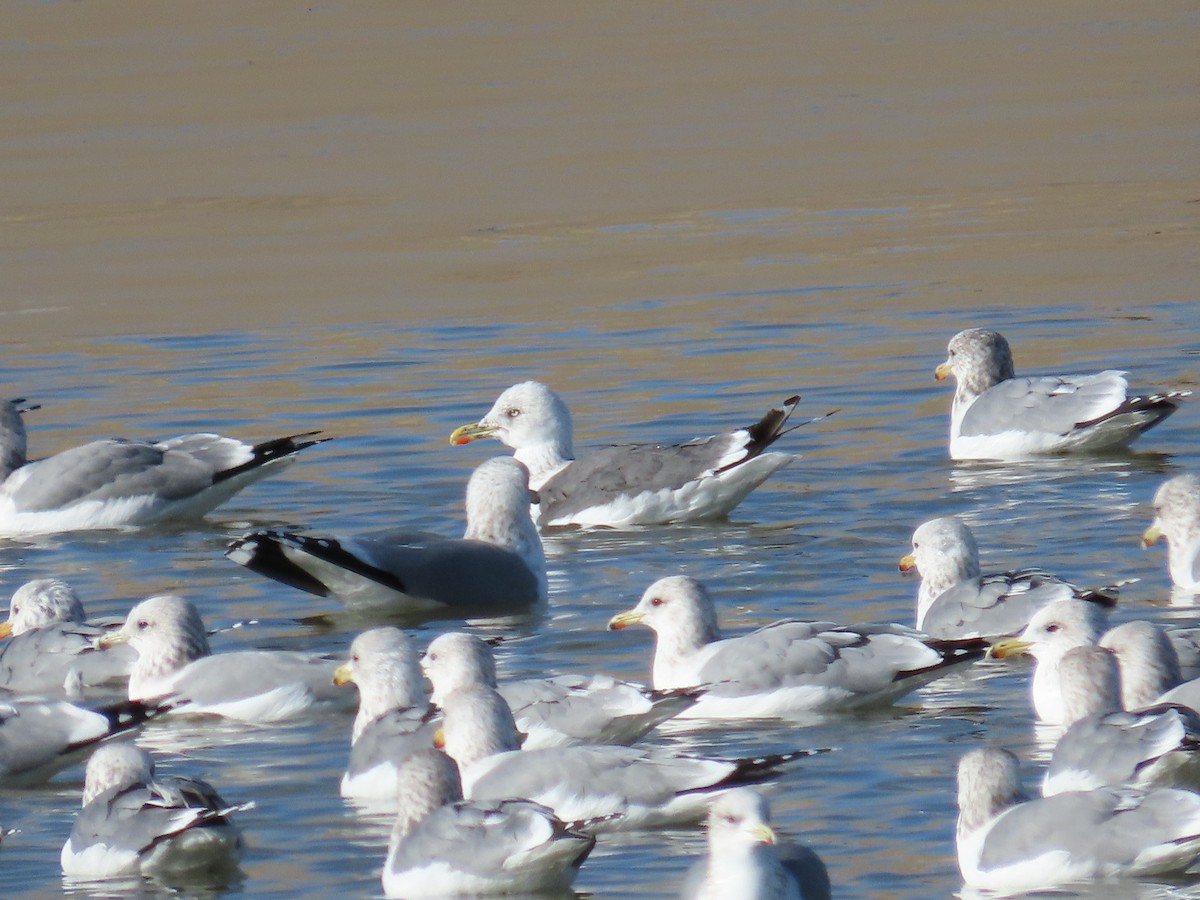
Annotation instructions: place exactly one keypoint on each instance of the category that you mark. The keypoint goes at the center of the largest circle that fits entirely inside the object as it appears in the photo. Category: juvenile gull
(1177, 518)
(442, 845)
(52, 649)
(634, 484)
(787, 667)
(497, 567)
(747, 859)
(177, 669)
(394, 717)
(119, 483)
(955, 600)
(641, 788)
(134, 823)
(555, 711)
(1053, 630)
(1105, 745)
(40, 737)
(1008, 843)
(996, 415)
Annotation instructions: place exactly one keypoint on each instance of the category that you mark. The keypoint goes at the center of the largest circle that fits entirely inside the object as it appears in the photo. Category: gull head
(677, 608)
(526, 415)
(41, 602)
(978, 359)
(455, 661)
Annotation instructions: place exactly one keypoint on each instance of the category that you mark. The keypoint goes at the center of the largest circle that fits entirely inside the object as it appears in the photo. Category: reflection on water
(819, 540)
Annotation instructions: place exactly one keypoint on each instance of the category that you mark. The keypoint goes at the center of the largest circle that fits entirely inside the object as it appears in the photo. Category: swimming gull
(1009, 843)
(1105, 745)
(634, 484)
(955, 600)
(996, 415)
(52, 649)
(1053, 630)
(177, 669)
(787, 667)
(1177, 518)
(497, 567)
(136, 823)
(747, 858)
(641, 788)
(394, 717)
(559, 710)
(120, 483)
(442, 845)
(40, 737)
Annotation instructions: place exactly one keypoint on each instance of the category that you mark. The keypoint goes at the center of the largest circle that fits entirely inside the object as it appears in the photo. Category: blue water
(819, 540)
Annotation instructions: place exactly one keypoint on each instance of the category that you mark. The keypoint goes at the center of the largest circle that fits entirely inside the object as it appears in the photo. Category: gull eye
(730, 819)
(353, 657)
(431, 657)
(656, 601)
(143, 624)
(1052, 627)
(512, 412)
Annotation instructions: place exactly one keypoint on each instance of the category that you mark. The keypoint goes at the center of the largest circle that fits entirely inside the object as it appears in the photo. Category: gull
(444, 846)
(996, 415)
(555, 711)
(40, 737)
(497, 566)
(615, 787)
(1177, 518)
(176, 669)
(1105, 745)
(1151, 670)
(787, 667)
(1053, 630)
(747, 859)
(119, 483)
(1148, 662)
(1008, 843)
(394, 717)
(134, 823)
(51, 648)
(956, 600)
(634, 484)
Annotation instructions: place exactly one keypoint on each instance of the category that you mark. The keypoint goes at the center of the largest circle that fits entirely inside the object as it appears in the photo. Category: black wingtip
(261, 552)
(272, 451)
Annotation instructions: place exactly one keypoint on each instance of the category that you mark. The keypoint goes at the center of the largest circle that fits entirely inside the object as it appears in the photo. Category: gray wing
(136, 819)
(390, 738)
(229, 677)
(807, 868)
(591, 709)
(1102, 830)
(1186, 642)
(788, 654)
(39, 737)
(602, 475)
(602, 780)
(49, 660)
(1052, 404)
(996, 604)
(609, 472)
(388, 566)
(104, 470)
(1112, 749)
(488, 839)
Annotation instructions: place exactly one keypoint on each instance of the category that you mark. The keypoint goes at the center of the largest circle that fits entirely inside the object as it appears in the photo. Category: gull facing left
(119, 483)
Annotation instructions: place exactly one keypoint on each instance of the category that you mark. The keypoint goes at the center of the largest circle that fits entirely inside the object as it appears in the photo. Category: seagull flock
(506, 787)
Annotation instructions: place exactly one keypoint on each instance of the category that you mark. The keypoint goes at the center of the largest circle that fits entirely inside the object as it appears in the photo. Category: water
(819, 540)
